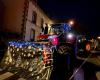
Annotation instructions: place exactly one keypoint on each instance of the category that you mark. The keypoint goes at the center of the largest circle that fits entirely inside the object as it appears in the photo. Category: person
(42, 30)
(46, 29)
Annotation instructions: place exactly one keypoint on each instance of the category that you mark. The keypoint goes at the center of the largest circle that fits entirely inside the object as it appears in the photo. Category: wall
(13, 18)
(13, 15)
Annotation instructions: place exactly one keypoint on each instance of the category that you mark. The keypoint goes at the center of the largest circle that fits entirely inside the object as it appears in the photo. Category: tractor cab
(61, 31)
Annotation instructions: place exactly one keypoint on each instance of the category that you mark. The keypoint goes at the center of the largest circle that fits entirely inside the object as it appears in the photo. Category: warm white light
(22, 53)
(27, 63)
(17, 49)
(10, 59)
(32, 55)
(11, 49)
(71, 22)
(29, 54)
(13, 54)
(29, 47)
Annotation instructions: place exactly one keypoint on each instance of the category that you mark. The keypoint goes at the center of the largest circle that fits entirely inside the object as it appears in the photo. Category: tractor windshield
(59, 28)
(56, 28)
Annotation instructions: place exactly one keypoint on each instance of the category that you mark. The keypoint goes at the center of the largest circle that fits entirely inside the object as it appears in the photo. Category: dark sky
(85, 12)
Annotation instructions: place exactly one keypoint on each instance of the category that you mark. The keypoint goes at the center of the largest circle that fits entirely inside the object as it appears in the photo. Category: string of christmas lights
(34, 58)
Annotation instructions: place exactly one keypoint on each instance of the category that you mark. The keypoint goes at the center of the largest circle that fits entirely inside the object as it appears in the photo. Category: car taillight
(88, 47)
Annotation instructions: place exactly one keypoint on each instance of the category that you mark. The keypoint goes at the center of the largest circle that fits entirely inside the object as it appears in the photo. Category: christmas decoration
(32, 58)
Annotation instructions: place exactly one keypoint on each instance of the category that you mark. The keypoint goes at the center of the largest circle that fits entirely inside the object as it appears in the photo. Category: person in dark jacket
(46, 29)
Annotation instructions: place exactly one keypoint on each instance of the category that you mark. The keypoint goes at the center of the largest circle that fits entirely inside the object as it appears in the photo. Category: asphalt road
(88, 71)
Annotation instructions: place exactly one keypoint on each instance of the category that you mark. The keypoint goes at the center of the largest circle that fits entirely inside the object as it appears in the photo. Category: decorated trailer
(29, 60)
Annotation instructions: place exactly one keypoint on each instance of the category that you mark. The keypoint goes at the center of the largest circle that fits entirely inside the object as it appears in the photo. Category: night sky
(85, 12)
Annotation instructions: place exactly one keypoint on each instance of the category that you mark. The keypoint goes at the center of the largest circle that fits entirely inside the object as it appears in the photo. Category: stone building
(24, 17)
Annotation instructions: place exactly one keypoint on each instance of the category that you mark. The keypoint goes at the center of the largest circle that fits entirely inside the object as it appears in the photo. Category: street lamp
(71, 22)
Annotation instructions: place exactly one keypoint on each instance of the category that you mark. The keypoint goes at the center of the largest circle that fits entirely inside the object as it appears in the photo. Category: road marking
(6, 75)
(79, 75)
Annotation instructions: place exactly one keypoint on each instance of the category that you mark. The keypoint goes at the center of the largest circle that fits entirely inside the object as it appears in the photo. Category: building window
(34, 17)
(32, 34)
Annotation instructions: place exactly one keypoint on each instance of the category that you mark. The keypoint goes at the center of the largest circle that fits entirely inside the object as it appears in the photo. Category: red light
(55, 41)
(88, 47)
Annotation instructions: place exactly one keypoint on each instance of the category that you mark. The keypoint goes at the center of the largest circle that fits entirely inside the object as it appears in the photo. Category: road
(88, 71)
(91, 66)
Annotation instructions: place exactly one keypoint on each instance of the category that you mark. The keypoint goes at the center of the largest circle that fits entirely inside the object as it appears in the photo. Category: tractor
(62, 39)
(51, 57)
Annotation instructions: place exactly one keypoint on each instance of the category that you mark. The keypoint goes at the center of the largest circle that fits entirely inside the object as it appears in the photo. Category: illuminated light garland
(29, 47)
(17, 49)
(28, 56)
(20, 46)
(13, 54)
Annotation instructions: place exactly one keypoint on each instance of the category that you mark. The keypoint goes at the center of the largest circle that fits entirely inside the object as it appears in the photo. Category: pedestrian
(42, 28)
(46, 29)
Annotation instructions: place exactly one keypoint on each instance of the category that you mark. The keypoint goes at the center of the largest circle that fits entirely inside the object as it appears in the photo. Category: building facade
(25, 18)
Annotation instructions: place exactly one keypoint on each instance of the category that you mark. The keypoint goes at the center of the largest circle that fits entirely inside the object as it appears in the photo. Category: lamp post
(71, 22)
